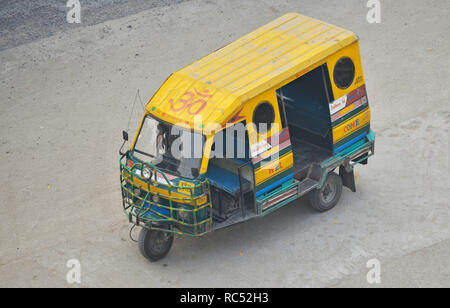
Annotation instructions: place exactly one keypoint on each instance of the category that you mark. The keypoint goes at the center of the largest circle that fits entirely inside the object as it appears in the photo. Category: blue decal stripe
(274, 185)
(347, 144)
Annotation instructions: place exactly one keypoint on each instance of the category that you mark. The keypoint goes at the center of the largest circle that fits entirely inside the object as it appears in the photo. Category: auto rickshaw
(278, 114)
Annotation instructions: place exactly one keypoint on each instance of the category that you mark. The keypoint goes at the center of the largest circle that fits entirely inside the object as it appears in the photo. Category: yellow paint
(201, 200)
(250, 106)
(206, 154)
(180, 198)
(351, 51)
(186, 190)
(346, 110)
(353, 124)
(272, 169)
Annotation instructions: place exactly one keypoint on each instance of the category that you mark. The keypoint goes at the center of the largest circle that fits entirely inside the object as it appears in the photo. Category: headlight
(183, 214)
(146, 172)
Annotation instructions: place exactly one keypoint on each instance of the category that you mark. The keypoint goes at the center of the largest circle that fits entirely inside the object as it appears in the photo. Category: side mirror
(125, 139)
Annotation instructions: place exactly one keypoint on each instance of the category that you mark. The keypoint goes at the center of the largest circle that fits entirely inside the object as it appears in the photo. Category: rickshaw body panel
(220, 84)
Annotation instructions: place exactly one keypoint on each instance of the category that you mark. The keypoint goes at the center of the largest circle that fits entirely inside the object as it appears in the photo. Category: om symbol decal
(194, 103)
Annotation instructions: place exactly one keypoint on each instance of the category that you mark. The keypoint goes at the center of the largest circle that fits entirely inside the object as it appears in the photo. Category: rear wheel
(154, 244)
(328, 196)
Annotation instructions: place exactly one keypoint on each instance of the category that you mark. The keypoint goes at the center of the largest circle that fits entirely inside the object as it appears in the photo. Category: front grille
(190, 214)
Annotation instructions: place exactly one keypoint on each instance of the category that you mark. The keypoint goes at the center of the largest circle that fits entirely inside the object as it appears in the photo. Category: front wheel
(328, 196)
(154, 244)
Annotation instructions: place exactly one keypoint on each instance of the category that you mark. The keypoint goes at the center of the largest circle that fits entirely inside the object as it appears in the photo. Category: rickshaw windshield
(170, 148)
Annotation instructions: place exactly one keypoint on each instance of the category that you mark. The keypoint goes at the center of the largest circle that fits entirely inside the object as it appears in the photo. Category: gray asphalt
(64, 102)
(23, 21)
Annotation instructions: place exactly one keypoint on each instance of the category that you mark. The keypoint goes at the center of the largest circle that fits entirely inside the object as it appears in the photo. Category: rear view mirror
(125, 139)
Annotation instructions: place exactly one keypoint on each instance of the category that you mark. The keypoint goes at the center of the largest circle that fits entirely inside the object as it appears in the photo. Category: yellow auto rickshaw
(278, 114)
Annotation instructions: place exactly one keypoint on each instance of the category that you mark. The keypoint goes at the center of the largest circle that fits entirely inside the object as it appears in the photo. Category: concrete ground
(65, 99)
(23, 21)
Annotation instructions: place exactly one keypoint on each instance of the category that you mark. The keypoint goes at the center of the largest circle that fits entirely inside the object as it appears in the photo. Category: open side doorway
(304, 108)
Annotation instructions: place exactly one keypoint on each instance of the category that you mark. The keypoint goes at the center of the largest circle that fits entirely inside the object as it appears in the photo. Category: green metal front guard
(166, 207)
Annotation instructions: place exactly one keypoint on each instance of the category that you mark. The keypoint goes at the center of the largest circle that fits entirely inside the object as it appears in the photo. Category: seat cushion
(225, 180)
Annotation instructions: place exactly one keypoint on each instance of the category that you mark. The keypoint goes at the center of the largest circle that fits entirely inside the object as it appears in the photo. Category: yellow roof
(217, 85)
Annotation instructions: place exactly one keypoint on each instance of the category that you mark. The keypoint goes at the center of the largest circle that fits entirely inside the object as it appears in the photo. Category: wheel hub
(160, 241)
(328, 192)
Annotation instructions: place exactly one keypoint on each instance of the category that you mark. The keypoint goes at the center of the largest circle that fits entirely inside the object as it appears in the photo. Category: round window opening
(263, 117)
(344, 73)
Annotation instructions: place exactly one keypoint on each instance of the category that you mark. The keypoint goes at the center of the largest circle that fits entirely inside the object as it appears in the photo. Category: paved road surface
(65, 100)
(23, 21)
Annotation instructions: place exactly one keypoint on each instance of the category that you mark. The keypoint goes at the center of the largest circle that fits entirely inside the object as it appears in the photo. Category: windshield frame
(152, 157)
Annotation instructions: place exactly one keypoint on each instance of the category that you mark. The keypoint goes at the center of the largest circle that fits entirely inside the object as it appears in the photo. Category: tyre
(325, 198)
(154, 244)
